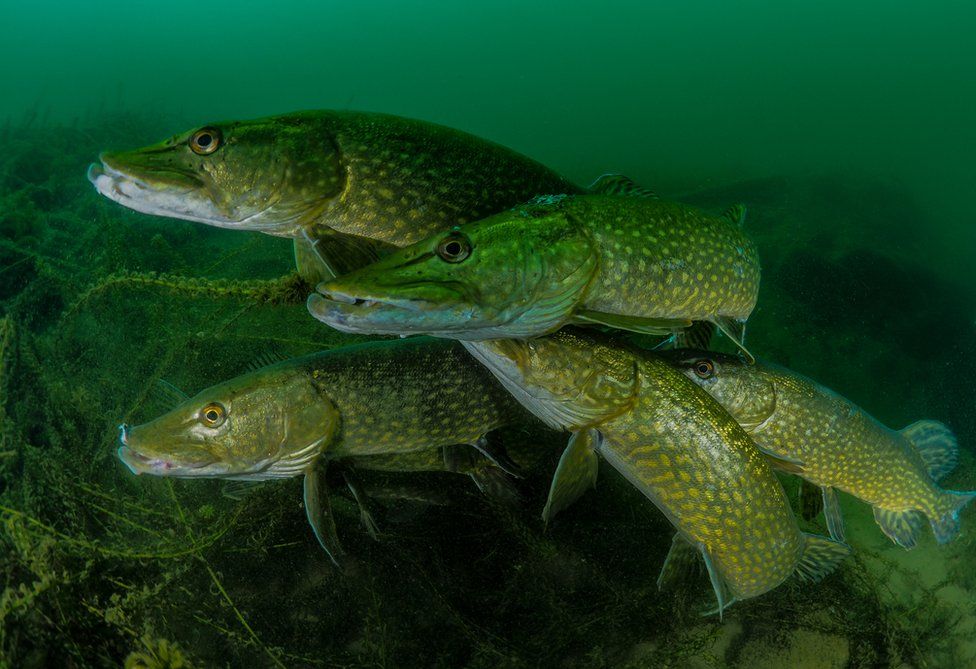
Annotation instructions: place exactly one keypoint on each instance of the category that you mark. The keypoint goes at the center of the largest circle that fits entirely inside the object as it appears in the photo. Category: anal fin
(902, 527)
(575, 474)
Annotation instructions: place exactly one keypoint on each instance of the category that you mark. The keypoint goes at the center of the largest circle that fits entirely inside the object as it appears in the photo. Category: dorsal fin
(618, 184)
(936, 444)
(736, 213)
(266, 359)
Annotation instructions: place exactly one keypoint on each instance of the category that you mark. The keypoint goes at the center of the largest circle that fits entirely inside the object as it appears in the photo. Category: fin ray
(820, 557)
(618, 184)
(575, 474)
(902, 527)
(936, 444)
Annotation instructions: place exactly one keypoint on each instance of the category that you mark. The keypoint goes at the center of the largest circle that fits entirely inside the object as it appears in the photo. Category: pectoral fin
(575, 474)
(330, 254)
(783, 463)
(734, 329)
(660, 327)
(318, 509)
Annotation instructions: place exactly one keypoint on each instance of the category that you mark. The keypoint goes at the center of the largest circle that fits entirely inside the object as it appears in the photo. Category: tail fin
(936, 444)
(946, 524)
(820, 557)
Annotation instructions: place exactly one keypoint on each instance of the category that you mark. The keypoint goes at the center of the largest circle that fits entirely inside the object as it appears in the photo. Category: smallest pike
(384, 405)
(624, 261)
(833, 443)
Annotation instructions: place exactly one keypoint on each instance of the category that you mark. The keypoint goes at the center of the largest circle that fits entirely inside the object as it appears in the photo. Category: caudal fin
(936, 444)
(945, 524)
(820, 557)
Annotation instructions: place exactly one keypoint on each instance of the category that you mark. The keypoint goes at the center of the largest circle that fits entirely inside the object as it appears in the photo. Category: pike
(675, 444)
(383, 405)
(618, 260)
(347, 186)
(837, 445)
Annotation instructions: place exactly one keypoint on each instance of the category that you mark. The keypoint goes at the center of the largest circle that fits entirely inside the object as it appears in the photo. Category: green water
(846, 130)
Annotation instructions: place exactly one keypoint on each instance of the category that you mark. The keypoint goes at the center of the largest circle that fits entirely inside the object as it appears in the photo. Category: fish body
(381, 401)
(837, 445)
(675, 444)
(347, 186)
(626, 262)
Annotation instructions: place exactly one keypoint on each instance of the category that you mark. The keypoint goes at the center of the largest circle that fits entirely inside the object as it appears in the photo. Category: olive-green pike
(353, 185)
(374, 405)
(627, 262)
(674, 443)
(835, 444)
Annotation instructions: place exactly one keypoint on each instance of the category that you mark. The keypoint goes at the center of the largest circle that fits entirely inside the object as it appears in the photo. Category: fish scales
(836, 444)
(347, 186)
(619, 261)
(662, 259)
(673, 442)
(394, 406)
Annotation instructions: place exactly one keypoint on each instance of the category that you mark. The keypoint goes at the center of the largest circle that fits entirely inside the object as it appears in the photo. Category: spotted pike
(347, 186)
(835, 444)
(675, 444)
(633, 263)
(375, 405)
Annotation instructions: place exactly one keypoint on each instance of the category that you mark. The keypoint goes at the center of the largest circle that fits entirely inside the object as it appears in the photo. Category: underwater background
(846, 128)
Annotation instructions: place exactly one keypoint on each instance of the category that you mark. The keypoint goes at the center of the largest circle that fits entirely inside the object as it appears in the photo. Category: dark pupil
(204, 140)
(703, 369)
(453, 248)
(212, 416)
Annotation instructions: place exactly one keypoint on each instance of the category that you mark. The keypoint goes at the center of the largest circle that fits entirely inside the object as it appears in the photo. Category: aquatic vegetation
(97, 303)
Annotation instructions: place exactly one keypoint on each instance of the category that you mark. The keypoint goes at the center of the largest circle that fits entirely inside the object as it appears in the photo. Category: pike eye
(704, 369)
(454, 248)
(205, 141)
(213, 415)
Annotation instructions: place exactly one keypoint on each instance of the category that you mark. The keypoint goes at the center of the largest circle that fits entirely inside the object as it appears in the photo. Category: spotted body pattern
(835, 444)
(662, 259)
(626, 262)
(347, 186)
(673, 442)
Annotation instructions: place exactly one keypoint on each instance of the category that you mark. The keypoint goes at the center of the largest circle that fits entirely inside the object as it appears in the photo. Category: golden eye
(205, 141)
(213, 415)
(704, 369)
(454, 248)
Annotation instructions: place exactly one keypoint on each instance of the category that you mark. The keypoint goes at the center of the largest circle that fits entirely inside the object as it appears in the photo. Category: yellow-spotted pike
(347, 186)
(634, 263)
(382, 406)
(833, 443)
(673, 442)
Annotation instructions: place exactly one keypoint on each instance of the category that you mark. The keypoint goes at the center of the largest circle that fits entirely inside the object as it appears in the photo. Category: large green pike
(347, 186)
(835, 444)
(375, 405)
(673, 442)
(633, 263)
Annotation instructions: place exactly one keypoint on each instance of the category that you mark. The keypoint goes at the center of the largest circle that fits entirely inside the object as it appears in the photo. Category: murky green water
(846, 131)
